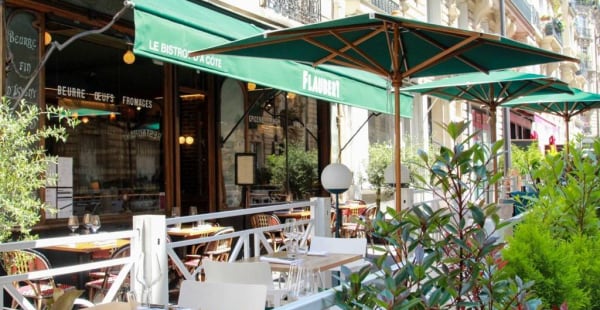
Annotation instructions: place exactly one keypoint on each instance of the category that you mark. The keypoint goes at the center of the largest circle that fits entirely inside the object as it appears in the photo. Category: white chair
(243, 273)
(343, 246)
(222, 296)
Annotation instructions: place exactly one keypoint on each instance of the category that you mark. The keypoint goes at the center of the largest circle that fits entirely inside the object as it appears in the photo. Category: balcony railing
(304, 11)
(550, 29)
(584, 33)
(584, 2)
(386, 5)
(528, 11)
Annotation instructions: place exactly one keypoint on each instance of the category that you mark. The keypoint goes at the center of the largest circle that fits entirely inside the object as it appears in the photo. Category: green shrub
(557, 243)
(536, 256)
(304, 166)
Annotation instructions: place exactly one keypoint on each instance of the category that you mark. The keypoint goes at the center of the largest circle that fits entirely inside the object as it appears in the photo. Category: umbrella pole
(397, 149)
(567, 120)
(493, 139)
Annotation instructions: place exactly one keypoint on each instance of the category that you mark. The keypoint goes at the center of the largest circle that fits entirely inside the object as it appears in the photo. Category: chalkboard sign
(23, 50)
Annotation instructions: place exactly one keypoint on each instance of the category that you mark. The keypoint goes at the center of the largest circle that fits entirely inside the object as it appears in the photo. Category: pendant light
(129, 56)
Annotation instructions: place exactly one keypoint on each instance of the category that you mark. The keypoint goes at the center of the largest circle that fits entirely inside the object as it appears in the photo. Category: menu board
(22, 59)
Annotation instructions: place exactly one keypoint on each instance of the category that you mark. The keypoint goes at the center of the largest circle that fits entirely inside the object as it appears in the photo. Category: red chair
(98, 287)
(217, 250)
(40, 290)
(275, 238)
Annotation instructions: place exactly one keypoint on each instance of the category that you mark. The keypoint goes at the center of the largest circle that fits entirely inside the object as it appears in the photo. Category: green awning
(168, 30)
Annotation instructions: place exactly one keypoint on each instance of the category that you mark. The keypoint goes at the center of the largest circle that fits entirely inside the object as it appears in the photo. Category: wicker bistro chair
(275, 238)
(217, 250)
(40, 291)
(98, 287)
(355, 226)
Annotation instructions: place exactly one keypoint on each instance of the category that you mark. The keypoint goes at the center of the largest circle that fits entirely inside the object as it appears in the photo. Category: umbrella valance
(366, 41)
(393, 47)
(168, 30)
(563, 105)
(491, 90)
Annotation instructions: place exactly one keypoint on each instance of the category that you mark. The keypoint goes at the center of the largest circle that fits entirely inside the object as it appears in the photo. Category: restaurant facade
(160, 129)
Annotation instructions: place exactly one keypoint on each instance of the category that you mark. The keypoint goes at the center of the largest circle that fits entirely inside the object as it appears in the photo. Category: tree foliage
(303, 164)
(442, 256)
(526, 160)
(23, 163)
(380, 157)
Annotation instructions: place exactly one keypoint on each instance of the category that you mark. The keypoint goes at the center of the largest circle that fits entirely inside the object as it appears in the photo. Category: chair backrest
(243, 273)
(123, 251)
(339, 245)
(274, 220)
(219, 249)
(222, 296)
(25, 261)
(370, 213)
(14, 262)
(260, 220)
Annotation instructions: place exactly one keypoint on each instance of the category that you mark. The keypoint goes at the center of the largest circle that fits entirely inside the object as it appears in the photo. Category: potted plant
(446, 256)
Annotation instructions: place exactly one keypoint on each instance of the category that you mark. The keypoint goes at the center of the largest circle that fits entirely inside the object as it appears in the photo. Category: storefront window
(232, 135)
(283, 135)
(116, 150)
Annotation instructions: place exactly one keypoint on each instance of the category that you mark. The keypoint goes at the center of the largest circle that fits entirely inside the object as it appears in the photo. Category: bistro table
(323, 262)
(299, 215)
(89, 247)
(84, 251)
(193, 232)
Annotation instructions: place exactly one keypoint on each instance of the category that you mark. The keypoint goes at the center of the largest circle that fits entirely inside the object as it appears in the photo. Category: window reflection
(282, 132)
(116, 150)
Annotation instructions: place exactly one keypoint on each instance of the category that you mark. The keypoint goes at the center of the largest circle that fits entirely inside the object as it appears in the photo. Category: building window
(116, 150)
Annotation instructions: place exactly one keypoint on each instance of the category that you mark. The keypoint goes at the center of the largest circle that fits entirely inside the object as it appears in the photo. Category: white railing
(127, 262)
(243, 247)
(248, 243)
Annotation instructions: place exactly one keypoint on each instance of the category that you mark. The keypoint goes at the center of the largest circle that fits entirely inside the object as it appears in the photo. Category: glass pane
(283, 134)
(232, 111)
(116, 149)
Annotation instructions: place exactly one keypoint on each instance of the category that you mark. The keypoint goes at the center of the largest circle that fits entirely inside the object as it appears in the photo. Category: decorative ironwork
(554, 28)
(584, 2)
(386, 5)
(584, 33)
(304, 11)
(528, 11)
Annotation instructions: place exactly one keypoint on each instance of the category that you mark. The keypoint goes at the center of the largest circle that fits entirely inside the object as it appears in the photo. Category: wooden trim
(214, 146)
(170, 149)
(2, 46)
(324, 134)
(62, 11)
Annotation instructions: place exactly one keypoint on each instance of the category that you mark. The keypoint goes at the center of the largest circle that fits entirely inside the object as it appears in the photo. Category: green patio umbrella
(491, 90)
(393, 47)
(563, 105)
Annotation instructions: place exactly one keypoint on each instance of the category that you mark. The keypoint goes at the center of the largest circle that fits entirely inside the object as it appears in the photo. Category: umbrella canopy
(491, 90)
(563, 105)
(393, 47)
